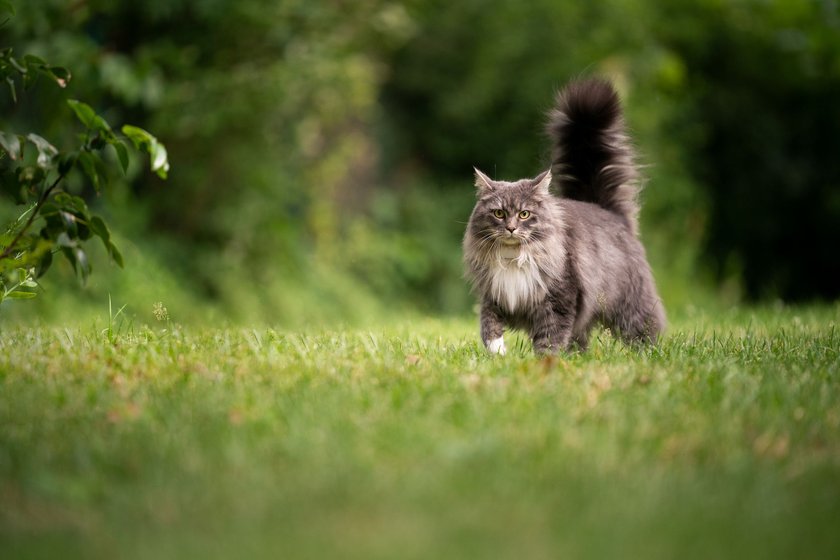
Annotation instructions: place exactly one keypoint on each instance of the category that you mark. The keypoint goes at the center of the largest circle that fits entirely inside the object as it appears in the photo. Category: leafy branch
(33, 213)
(33, 173)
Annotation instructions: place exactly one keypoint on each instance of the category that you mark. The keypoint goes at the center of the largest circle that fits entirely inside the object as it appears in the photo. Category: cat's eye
(499, 214)
(524, 215)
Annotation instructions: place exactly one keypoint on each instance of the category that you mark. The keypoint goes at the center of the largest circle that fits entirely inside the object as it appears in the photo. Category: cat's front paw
(497, 346)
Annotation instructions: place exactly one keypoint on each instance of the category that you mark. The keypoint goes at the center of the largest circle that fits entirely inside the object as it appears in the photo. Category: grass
(408, 441)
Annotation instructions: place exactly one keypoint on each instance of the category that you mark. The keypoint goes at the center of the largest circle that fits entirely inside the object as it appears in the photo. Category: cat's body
(553, 265)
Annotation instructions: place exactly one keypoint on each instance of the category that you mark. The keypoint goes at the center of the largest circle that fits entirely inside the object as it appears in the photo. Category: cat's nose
(511, 228)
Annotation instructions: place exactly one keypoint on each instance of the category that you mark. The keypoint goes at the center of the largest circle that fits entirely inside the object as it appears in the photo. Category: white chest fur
(516, 283)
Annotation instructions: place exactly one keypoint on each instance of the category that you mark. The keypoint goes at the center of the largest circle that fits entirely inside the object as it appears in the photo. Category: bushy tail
(592, 158)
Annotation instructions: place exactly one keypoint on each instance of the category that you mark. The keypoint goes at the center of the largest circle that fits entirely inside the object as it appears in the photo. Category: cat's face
(510, 214)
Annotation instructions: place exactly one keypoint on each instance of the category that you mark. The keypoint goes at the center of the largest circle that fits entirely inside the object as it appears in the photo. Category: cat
(555, 265)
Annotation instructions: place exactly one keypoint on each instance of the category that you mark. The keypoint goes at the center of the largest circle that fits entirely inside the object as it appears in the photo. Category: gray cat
(556, 265)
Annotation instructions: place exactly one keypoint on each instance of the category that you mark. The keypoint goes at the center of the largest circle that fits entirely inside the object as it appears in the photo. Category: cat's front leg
(551, 329)
(492, 328)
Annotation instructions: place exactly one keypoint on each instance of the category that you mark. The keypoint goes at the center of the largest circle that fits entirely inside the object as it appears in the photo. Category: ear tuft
(542, 181)
(482, 181)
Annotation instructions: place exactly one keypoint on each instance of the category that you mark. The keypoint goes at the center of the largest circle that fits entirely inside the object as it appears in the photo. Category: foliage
(36, 179)
(486, 106)
(326, 148)
(409, 441)
(271, 106)
(763, 91)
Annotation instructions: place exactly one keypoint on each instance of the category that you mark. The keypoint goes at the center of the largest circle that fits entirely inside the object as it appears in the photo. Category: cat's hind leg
(640, 321)
(580, 341)
(551, 330)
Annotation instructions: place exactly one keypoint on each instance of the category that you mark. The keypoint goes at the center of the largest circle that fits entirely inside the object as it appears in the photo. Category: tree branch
(10, 248)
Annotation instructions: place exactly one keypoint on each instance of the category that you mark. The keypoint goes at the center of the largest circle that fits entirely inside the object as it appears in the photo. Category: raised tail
(592, 158)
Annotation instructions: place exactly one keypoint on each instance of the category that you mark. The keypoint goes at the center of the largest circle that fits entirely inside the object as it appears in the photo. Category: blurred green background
(322, 151)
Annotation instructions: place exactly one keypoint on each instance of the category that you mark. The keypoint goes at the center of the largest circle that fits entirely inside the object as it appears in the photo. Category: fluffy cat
(556, 265)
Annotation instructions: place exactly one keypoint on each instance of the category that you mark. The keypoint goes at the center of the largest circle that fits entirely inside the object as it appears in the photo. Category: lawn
(409, 441)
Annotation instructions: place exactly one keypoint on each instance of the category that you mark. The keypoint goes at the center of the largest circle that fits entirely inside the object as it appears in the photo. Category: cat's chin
(509, 250)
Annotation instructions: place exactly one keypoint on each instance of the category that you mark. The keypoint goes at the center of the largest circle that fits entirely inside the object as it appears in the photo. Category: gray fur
(571, 261)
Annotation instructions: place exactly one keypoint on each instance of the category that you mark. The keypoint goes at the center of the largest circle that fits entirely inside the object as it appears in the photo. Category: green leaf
(73, 204)
(17, 294)
(98, 227)
(76, 256)
(102, 125)
(63, 199)
(84, 265)
(115, 254)
(88, 163)
(46, 151)
(91, 120)
(84, 112)
(137, 135)
(81, 207)
(32, 60)
(145, 142)
(11, 144)
(160, 160)
(122, 154)
(84, 230)
(43, 264)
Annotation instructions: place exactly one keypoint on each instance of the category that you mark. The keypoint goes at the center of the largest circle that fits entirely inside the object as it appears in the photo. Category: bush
(33, 173)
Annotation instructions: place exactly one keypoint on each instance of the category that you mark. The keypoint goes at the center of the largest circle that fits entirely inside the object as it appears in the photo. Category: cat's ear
(482, 182)
(542, 181)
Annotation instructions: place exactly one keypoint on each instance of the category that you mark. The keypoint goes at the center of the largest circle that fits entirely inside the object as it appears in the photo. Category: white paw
(497, 346)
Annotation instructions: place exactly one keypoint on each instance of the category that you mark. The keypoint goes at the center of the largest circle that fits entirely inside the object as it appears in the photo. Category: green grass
(409, 441)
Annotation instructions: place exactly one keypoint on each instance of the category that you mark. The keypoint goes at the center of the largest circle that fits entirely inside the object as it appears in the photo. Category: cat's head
(511, 213)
